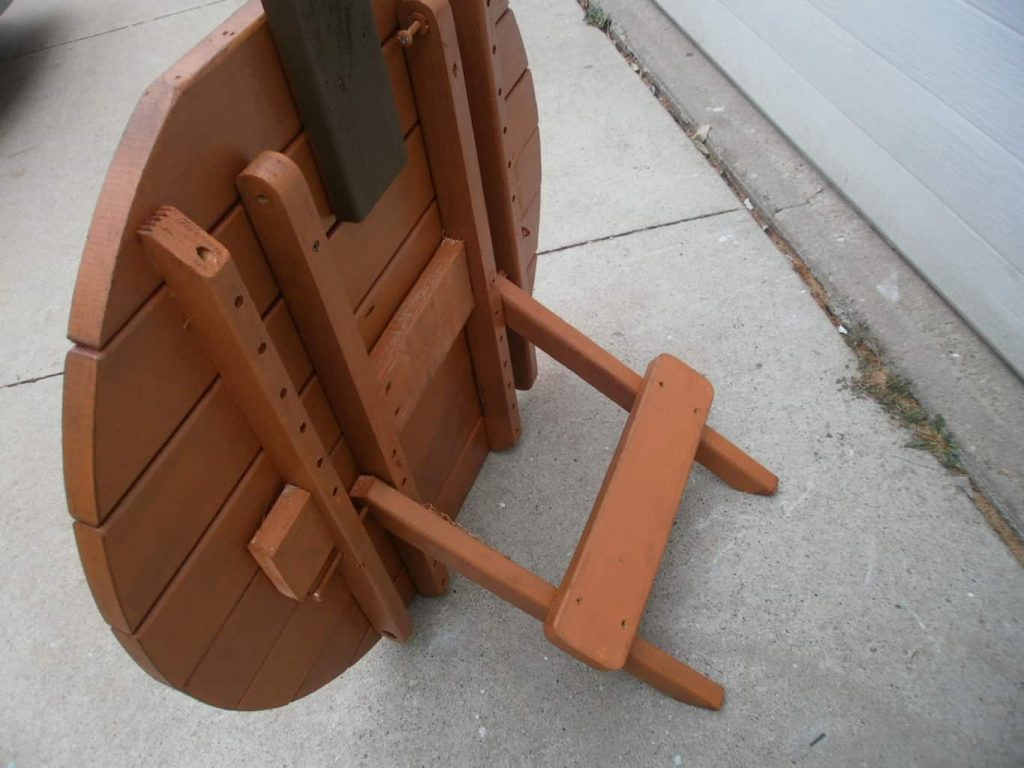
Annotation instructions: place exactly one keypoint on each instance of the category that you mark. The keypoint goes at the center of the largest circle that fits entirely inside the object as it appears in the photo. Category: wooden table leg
(620, 384)
(514, 584)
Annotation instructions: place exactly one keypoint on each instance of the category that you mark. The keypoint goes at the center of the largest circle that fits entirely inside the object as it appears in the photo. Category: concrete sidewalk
(866, 615)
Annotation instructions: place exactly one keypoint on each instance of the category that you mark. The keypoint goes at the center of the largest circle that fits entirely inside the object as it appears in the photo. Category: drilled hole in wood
(505, 364)
(404, 481)
(499, 93)
(262, 199)
(455, 69)
(513, 198)
(661, 383)
(623, 623)
(316, 246)
(302, 428)
(335, 491)
(320, 462)
(239, 301)
(283, 393)
(504, 130)
(494, 49)
(262, 348)
(501, 337)
(509, 163)
(387, 387)
(394, 453)
(203, 252)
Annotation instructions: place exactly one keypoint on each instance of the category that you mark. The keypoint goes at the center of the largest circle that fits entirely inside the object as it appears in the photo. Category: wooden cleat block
(293, 544)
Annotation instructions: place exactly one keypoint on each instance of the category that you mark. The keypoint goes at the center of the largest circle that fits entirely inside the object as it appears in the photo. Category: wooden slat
(516, 585)
(495, 9)
(196, 603)
(500, 125)
(520, 114)
(207, 283)
(129, 559)
(278, 200)
(376, 310)
(361, 250)
(529, 229)
(281, 329)
(620, 384)
(460, 480)
(187, 140)
(597, 611)
(436, 74)
(421, 333)
(193, 608)
(154, 371)
(510, 53)
(526, 168)
(142, 544)
(441, 423)
(341, 86)
(285, 667)
(131, 397)
(243, 643)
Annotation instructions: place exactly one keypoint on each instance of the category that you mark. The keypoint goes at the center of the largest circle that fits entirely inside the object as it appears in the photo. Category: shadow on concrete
(21, 41)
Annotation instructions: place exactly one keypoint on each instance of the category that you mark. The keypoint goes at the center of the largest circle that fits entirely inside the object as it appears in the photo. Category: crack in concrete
(31, 381)
(111, 31)
(636, 231)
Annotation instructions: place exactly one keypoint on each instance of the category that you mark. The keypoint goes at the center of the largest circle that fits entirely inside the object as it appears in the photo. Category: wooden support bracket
(437, 75)
(207, 284)
(279, 202)
(620, 384)
(523, 589)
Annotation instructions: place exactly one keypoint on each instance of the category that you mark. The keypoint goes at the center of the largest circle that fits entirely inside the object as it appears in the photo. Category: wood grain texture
(436, 74)
(502, 122)
(421, 332)
(192, 133)
(169, 568)
(596, 613)
(398, 276)
(281, 206)
(340, 81)
(210, 289)
(292, 544)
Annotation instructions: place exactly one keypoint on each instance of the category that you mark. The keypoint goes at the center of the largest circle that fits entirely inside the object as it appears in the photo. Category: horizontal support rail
(621, 384)
(441, 538)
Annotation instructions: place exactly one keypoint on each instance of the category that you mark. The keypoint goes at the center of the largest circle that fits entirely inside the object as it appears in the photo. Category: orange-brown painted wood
(620, 384)
(601, 600)
(293, 544)
(173, 590)
(501, 126)
(207, 284)
(194, 130)
(422, 330)
(279, 203)
(397, 278)
(515, 585)
(436, 71)
(154, 371)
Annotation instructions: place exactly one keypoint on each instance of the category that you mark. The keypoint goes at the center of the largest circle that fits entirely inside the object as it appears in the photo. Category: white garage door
(915, 109)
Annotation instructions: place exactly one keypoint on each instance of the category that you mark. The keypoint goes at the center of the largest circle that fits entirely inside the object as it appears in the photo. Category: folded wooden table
(302, 316)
